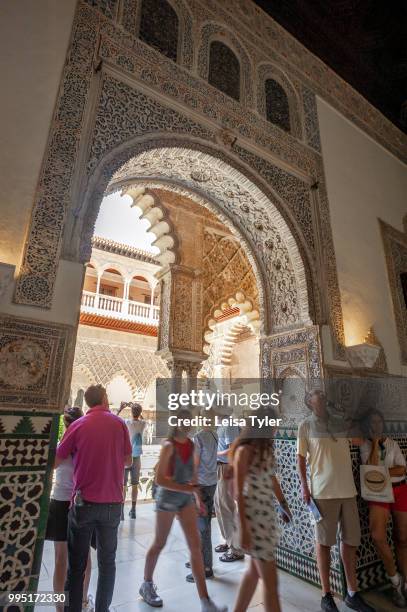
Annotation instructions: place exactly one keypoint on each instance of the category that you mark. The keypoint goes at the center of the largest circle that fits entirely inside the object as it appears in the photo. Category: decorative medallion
(22, 363)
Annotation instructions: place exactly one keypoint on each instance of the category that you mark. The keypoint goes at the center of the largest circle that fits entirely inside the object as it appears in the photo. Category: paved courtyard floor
(179, 596)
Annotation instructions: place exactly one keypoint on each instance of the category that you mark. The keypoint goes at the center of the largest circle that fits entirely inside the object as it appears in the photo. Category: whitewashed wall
(364, 182)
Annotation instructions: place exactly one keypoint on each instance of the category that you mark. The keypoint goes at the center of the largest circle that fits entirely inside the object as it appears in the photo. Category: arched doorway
(248, 208)
(283, 272)
(261, 224)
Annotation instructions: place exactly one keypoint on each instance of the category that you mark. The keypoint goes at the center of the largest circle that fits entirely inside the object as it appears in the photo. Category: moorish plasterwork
(395, 249)
(181, 304)
(213, 31)
(239, 204)
(97, 362)
(300, 349)
(132, 61)
(264, 37)
(268, 71)
(225, 270)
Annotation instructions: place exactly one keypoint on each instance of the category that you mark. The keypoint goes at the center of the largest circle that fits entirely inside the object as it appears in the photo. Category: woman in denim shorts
(175, 496)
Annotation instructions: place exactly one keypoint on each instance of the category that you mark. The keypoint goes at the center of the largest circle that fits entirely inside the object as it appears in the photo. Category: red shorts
(400, 500)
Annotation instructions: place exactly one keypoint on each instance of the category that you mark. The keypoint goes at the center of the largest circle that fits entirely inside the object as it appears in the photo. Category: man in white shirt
(136, 426)
(333, 489)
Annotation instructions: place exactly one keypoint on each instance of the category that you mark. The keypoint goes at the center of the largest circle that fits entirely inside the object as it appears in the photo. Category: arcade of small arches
(222, 60)
(119, 284)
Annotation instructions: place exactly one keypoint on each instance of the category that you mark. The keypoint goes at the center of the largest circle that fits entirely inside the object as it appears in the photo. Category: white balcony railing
(118, 308)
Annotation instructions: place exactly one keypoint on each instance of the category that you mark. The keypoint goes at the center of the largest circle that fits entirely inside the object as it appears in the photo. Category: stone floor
(134, 539)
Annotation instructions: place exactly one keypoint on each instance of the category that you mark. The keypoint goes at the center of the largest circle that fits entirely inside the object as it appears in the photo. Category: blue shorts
(172, 501)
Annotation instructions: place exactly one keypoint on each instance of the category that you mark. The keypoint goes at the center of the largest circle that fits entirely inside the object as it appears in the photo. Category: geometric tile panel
(12, 423)
(372, 576)
(296, 551)
(306, 569)
(23, 452)
(25, 475)
(20, 499)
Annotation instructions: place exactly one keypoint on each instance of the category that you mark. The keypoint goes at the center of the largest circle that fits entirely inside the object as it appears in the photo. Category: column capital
(193, 369)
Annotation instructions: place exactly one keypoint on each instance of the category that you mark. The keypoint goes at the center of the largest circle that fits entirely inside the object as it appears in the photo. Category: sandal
(221, 548)
(229, 557)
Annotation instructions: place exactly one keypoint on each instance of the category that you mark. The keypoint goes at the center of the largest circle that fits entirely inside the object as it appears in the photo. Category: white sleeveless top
(63, 484)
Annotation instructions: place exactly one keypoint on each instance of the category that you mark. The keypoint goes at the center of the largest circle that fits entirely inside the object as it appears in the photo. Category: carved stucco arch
(203, 200)
(213, 179)
(154, 211)
(215, 31)
(121, 373)
(229, 342)
(220, 348)
(248, 315)
(271, 71)
(81, 369)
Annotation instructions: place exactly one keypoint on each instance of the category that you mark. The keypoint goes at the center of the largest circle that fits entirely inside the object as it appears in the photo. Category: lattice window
(159, 27)
(277, 108)
(224, 69)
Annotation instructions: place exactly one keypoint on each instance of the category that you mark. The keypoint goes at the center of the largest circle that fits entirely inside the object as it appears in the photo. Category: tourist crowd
(226, 471)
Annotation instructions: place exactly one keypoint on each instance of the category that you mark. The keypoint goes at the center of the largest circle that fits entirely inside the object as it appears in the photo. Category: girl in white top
(57, 525)
(378, 449)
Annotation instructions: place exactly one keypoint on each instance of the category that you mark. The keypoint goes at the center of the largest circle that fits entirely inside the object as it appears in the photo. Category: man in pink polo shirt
(100, 447)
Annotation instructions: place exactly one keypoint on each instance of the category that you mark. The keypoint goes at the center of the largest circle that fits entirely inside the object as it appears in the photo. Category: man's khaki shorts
(338, 513)
(133, 471)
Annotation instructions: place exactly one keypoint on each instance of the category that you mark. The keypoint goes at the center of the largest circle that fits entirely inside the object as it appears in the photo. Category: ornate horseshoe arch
(214, 181)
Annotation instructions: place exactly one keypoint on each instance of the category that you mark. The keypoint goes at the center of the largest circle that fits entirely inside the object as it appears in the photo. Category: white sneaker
(398, 597)
(89, 605)
(148, 592)
(207, 605)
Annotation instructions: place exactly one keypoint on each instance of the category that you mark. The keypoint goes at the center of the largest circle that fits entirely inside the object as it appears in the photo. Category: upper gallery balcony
(120, 284)
(129, 309)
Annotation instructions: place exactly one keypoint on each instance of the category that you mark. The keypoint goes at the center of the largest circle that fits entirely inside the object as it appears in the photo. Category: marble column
(176, 369)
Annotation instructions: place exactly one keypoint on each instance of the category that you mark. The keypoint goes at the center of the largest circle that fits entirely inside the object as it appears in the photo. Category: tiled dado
(296, 552)
(27, 449)
(25, 440)
(34, 369)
